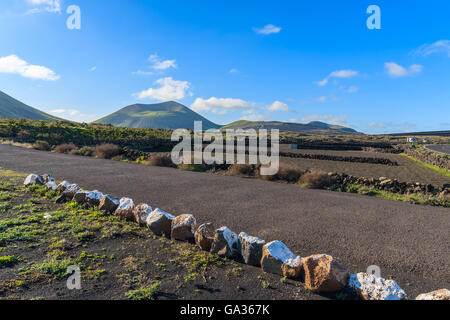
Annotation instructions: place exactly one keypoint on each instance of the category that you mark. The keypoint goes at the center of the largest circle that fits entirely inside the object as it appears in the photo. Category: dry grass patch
(241, 169)
(66, 148)
(316, 179)
(159, 160)
(106, 151)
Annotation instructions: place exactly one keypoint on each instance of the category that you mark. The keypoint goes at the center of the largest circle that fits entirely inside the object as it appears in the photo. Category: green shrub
(85, 151)
(146, 293)
(42, 145)
(8, 261)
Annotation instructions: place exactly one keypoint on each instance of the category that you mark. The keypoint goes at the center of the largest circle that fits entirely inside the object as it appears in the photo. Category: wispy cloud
(441, 46)
(234, 70)
(159, 64)
(70, 112)
(142, 73)
(169, 89)
(53, 6)
(268, 29)
(253, 115)
(397, 71)
(73, 115)
(328, 118)
(393, 126)
(13, 64)
(343, 74)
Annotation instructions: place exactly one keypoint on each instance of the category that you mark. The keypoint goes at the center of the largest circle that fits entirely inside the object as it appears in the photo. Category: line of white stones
(321, 272)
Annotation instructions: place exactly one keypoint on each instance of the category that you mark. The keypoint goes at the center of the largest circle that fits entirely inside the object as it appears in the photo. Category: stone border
(312, 156)
(322, 273)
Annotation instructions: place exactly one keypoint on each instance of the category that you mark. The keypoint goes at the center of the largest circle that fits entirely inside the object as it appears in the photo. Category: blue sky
(230, 60)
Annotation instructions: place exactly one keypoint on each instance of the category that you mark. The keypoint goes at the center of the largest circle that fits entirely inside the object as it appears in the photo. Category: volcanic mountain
(167, 115)
(12, 108)
(315, 127)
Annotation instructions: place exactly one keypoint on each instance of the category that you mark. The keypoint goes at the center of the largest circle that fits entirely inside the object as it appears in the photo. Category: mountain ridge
(14, 109)
(165, 115)
(315, 127)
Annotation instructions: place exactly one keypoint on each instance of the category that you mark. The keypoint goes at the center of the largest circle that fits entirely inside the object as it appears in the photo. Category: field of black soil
(406, 171)
(118, 259)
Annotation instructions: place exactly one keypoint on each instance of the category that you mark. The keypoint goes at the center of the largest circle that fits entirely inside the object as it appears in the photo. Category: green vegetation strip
(430, 166)
(409, 198)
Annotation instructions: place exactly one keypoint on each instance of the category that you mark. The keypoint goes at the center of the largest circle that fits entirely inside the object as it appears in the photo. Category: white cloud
(396, 71)
(322, 99)
(268, 29)
(45, 5)
(142, 73)
(13, 64)
(352, 89)
(74, 115)
(234, 70)
(343, 74)
(394, 126)
(441, 46)
(278, 106)
(219, 105)
(93, 69)
(252, 115)
(70, 112)
(161, 65)
(379, 125)
(169, 90)
(328, 118)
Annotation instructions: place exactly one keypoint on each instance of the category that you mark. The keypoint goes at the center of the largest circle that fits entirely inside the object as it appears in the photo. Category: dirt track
(409, 242)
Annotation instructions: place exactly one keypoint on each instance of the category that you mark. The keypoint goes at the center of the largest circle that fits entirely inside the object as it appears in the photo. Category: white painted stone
(93, 198)
(371, 287)
(251, 249)
(443, 294)
(63, 186)
(226, 243)
(51, 185)
(280, 251)
(33, 179)
(141, 212)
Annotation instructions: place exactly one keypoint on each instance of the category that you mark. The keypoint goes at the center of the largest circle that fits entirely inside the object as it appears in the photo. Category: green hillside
(167, 115)
(14, 109)
(315, 127)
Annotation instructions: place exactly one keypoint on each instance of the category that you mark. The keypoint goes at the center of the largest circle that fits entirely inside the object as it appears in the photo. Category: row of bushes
(60, 132)
(102, 151)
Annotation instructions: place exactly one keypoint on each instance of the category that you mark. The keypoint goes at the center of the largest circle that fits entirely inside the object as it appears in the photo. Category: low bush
(160, 160)
(42, 145)
(85, 151)
(193, 167)
(107, 151)
(316, 179)
(289, 173)
(241, 169)
(66, 148)
(285, 172)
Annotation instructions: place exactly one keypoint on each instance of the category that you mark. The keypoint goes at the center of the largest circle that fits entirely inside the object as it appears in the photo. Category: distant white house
(413, 140)
(425, 141)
